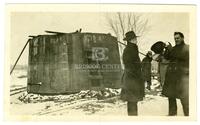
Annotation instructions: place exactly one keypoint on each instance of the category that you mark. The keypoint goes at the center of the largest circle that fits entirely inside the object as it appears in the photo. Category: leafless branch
(120, 23)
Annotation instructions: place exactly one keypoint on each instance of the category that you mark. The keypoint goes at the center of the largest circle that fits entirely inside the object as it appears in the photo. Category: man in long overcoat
(133, 84)
(177, 76)
(146, 69)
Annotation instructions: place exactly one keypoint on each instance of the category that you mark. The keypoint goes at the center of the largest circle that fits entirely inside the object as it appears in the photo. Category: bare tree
(119, 23)
(123, 22)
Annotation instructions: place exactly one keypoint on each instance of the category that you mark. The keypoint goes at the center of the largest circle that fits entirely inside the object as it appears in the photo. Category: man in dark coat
(146, 69)
(176, 83)
(133, 85)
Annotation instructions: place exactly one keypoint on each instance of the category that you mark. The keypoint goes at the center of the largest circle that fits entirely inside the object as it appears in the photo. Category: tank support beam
(19, 56)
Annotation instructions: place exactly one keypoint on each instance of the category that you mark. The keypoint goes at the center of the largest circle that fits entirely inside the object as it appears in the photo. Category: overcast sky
(162, 27)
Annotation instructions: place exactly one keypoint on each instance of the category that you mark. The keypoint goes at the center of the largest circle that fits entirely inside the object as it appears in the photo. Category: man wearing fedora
(133, 83)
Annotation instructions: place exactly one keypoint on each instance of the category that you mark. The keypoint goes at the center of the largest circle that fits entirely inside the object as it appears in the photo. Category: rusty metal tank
(70, 62)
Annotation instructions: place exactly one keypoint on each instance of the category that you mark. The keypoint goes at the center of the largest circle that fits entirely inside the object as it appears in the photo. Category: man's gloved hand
(167, 51)
(168, 46)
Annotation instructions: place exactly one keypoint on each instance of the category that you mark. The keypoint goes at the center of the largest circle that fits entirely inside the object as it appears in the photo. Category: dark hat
(158, 47)
(130, 35)
(149, 53)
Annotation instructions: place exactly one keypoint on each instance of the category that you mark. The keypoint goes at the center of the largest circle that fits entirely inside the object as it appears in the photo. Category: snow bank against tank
(84, 94)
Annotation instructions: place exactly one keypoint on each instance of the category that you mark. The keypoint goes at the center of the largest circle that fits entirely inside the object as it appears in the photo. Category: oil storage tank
(69, 62)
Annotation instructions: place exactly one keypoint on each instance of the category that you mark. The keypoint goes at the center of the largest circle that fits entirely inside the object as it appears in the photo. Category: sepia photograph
(100, 62)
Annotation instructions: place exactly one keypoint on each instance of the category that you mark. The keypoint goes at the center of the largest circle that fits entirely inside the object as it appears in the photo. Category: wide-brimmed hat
(130, 35)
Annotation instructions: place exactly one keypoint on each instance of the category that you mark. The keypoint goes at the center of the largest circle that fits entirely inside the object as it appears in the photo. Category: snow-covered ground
(18, 78)
(26, 104)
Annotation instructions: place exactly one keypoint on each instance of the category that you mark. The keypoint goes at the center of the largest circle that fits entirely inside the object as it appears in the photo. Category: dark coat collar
(183, 43)
(130, 45)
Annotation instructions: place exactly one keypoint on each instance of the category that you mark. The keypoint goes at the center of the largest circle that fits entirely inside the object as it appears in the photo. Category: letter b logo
(99, 54)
